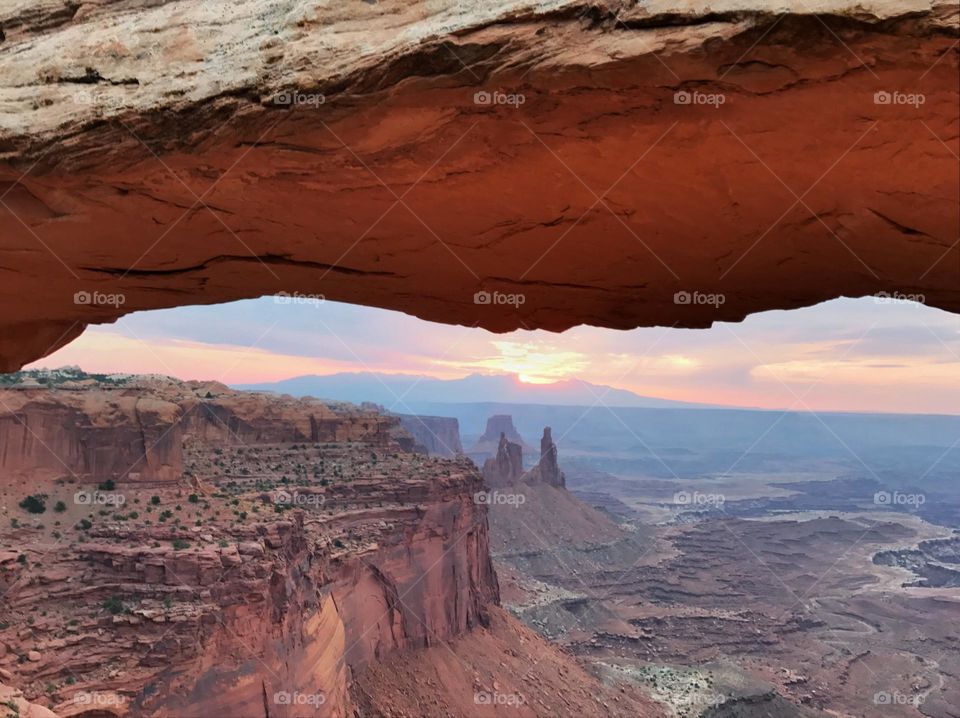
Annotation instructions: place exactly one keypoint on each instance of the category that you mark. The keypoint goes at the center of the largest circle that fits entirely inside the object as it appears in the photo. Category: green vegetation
(35, 503)
(114, 605)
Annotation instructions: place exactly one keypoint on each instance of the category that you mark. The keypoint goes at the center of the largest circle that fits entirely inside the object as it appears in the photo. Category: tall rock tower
(547, 471)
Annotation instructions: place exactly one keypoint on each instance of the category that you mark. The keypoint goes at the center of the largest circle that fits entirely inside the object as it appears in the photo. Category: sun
(530, 362)
(534, 379)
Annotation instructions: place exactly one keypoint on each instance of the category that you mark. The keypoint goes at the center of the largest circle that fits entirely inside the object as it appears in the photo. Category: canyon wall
(135, 431)
(439, 435)
(258, 586)
(116, 436)
(231, 417)
(507, 164)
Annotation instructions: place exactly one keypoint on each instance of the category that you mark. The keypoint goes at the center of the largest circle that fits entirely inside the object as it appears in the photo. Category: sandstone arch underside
(155, 154)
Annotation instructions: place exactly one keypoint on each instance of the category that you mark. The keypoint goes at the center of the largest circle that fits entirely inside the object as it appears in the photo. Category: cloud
(532, 361)
(849, 354)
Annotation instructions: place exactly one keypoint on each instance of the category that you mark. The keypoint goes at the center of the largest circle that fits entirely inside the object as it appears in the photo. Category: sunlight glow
(532, 362)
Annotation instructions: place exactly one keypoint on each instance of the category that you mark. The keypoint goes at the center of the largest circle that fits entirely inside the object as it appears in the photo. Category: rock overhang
(516, 165)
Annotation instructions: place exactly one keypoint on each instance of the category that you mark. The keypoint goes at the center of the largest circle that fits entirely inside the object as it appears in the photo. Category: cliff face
(256, 586)
(100, 437)
(134, 432)
(438, 435)
(506, 468)
(653, 163)
(547, 471)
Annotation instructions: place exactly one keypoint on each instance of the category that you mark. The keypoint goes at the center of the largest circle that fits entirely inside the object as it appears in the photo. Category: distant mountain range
(394, 391)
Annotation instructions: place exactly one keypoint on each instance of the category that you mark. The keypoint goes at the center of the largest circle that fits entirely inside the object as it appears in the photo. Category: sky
(844, 355)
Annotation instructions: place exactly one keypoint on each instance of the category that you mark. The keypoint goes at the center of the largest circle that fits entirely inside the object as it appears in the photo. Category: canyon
(795, 612)
(286, 557)
(702, 161)
(289, 556)
(181, 549)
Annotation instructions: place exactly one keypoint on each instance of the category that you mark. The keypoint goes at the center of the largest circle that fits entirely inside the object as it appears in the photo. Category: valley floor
(781, 615)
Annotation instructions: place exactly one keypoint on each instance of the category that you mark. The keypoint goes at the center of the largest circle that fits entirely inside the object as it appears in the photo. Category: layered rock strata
(506, 468)
(438, 435)
(281, 563)
(507, 164)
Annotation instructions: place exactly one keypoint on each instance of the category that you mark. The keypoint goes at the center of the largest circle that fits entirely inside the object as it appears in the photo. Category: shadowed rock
(547, 470)
(507, 467)
(160, 154)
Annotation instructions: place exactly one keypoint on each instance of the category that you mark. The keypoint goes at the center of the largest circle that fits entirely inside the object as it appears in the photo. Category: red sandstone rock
(146, 161)
(547, 471)
(14, 705)
(506, 468)
(133, 431)
(148, 615)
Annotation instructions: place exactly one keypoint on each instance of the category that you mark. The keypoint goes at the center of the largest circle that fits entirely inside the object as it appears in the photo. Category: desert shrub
(35, 503)
(114, 605)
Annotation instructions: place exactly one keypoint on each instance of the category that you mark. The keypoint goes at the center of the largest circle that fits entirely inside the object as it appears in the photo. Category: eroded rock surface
(437, 435)
(502, 164)
(547, 470)
(129, 430)
(298, 544)
(506, 468)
